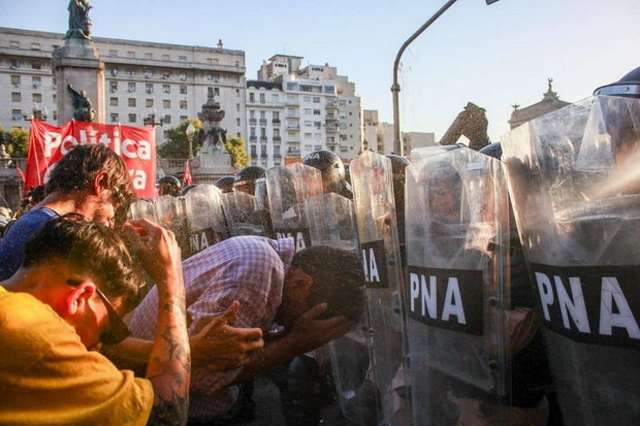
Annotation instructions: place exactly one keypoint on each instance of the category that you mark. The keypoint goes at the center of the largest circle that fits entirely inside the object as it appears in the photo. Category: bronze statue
(472, 123)
(82, 108)
(79, 22)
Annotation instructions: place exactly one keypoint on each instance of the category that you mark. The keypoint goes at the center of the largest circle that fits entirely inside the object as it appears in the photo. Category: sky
(492, 55)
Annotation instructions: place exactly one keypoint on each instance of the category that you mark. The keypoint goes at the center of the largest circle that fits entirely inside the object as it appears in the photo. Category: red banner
(135, 145)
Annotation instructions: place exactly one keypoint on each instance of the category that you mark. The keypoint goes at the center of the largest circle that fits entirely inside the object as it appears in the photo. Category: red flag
(187, 174)
(20, 173)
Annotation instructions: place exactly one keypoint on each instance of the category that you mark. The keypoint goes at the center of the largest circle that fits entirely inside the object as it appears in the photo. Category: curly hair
(79, 167)
(338, 279)
(92, 249)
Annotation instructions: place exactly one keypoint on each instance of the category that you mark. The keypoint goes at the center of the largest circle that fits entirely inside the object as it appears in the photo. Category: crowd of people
(104, 319)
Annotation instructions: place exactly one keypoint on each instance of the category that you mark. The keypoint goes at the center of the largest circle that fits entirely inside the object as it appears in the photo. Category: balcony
(293, 127)
(253, 121)
(291, 102)
(293, 153)
(263, 138)
(253, 138)
(275, 121)
(292, 115)
(277, 138)
(263, 121)
(331, 128)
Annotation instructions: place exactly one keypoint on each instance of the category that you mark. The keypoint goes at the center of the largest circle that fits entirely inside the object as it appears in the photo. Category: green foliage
(236, 148)
(16, 142)
(177, 145)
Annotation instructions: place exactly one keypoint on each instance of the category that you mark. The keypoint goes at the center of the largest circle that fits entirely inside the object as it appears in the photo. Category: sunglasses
(118, 330)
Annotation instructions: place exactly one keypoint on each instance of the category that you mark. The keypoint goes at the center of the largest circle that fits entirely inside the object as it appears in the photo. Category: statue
(82, 108)
(79, 22)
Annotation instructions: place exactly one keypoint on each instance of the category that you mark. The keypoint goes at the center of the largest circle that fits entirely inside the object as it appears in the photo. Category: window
(252, 97)
(35, 46)
(182, 58)
(113, 86)
(36, 65)
(16, 114)
(308, 111)
(15, 80)
(36, 82)
(216, 91)
(182, 77)
(183, 90)
(183, 105)
(148, 87)
(316, 112)
(252, 131)
(113, 53)
(132, 87)
(132, 102)
(263, 115)
(131, 54)
(14, 43)
(166, 88)
(166, 57)
(37, 98)
(148, 55)
(131, 72)
(316, 99)
(166, 75)
(148, 74)
(306, 99)
(113, 72)
(209, 77)
(167, 119)
(132, 118)
(166, 104)
(238, 107)
(113, 102)
(262, 100)
(275, 98)
(148, 103)
(16, 97)
(237, 93)
(15, 64)
(114, 118)
(238, 122)
(237, 79)
(183, 118)
(276, 116)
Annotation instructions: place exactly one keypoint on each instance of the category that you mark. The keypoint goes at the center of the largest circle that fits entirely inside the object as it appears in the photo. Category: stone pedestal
(78, 63)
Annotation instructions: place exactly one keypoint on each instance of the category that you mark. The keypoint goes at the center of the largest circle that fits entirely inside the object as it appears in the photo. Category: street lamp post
(398, 146)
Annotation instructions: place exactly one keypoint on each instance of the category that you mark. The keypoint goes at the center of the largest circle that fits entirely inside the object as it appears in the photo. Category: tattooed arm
(169, 367)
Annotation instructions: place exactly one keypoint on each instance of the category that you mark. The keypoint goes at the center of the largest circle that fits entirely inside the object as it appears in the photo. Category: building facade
(294, 110)
(378, 137)
(166, 81)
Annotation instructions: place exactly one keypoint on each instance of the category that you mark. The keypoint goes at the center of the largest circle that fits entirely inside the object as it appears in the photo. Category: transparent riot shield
(457, 289)
(372, 181)
(241, 215)
(171, 215)
(331, 222)
(144, 208)
(288, 188)
(205, 221)
(418, 154)
(576, 195)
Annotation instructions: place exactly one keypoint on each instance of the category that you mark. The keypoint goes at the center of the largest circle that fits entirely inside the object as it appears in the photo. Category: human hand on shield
(220, 346)
(157, 250)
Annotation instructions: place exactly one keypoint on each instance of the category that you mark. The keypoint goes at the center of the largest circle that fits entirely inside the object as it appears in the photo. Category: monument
(78, 70)
(214, 158)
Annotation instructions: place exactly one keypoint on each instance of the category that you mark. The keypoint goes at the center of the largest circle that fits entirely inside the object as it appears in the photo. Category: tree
(235, 147)
(16, 142)
(177, 144)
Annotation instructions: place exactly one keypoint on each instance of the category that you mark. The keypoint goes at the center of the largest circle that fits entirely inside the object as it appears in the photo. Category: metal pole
(398, 146)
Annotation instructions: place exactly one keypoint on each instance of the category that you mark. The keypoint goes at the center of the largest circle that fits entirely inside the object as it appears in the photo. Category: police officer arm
(307, 333)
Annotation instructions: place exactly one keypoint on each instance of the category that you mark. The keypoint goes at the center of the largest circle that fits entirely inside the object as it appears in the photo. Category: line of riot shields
(453, 311)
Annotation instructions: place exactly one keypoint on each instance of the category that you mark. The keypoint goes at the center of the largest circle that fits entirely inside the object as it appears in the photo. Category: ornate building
(550, 102)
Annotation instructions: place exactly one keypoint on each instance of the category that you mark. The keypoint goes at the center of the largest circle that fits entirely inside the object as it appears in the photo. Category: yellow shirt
(47, 376)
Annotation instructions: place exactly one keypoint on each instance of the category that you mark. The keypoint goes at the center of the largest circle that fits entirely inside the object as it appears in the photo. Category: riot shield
(205, 221)
(144, 208)
(575, 190)
(171, 215)
(241, 215)
(418, 154)
(457, 289)
(331, 222)
(288, 188)
(372, 180)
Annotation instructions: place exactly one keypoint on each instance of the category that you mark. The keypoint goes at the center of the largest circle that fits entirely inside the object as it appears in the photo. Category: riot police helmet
(493, 150)
(169, 185)
(331, 167)
(188, 188)
(628, 86)
(225, 183)
(245, 180)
